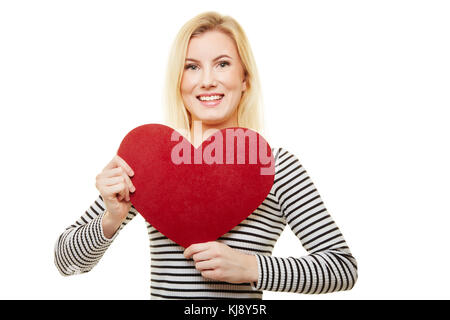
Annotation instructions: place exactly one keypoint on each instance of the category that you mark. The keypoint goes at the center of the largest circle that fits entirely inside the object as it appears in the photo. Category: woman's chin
(212, 119)
(208, 122)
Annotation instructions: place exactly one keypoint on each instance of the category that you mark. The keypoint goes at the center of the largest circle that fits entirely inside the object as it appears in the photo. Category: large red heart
(194, 195)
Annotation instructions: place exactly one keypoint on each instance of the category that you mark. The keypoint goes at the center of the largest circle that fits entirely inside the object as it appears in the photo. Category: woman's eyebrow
(216, 58)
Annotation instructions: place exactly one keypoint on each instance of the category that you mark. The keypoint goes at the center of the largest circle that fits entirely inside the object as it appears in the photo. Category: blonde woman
(212, 83)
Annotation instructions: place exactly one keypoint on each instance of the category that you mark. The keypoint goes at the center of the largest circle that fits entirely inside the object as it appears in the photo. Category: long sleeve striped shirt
(329, 265)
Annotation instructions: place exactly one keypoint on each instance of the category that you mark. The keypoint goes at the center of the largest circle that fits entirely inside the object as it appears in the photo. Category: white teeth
(205, 98)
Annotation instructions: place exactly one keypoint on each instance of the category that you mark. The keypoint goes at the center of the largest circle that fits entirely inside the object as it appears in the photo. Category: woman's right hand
(114, 185)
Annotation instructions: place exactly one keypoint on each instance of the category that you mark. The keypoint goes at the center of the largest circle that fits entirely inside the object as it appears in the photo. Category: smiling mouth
(210, 98)
(211, 101)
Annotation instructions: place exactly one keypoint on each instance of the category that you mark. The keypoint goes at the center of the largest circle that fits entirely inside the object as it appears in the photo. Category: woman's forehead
(210, 45)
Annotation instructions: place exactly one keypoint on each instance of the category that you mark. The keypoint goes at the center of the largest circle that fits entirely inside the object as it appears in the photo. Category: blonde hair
(250, 106)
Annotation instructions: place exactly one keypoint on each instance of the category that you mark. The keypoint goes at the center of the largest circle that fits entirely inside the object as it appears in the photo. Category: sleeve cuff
(99, 233)
(257, 285)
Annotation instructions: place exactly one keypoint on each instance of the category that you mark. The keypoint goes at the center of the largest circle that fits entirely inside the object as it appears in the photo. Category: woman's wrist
(110, 224)
(252, 268)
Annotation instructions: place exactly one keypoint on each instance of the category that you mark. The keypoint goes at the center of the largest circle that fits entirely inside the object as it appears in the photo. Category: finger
(121, 195)
(108, 173)
(127, 190)
(211, 274)
(124, 165)
(111, 191)
(206, 265)
(191, 250)
(112, 164)
(120, 179)
(130, 185)
(115, 172)
(202, 255)
(194, 248)
(112, 181)
(124, 180)
(124, 194)
(119, 172)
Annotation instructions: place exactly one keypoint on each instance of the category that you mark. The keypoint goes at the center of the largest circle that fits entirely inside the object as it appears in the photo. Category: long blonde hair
(250, 113)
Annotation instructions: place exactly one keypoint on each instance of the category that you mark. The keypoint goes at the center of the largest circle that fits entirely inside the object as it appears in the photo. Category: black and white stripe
(293, 200)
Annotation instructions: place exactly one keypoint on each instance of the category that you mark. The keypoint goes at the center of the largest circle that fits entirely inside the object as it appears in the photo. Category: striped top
(329, 265)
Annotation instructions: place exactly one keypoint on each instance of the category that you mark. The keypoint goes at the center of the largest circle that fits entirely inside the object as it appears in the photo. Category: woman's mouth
(210, 101)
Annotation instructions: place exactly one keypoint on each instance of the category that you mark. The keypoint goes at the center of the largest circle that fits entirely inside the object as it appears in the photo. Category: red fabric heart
(199, 199)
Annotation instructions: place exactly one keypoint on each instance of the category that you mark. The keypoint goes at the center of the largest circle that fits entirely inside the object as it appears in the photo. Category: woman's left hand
(217, 261)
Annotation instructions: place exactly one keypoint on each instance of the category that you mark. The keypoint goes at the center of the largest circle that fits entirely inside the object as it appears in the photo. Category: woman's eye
(189, 66)
(193, 66)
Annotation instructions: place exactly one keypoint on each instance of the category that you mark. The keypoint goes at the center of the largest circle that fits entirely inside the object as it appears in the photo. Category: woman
(212, 82)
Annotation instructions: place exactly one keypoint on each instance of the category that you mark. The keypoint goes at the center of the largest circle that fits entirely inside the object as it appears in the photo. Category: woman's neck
(200, 131)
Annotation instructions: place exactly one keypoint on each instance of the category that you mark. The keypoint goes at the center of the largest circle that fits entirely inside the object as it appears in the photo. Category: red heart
(204, 199)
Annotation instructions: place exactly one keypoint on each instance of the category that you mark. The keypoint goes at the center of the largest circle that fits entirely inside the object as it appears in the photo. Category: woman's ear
(244, 84)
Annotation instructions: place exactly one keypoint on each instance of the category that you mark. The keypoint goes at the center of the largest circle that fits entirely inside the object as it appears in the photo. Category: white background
(358, 90)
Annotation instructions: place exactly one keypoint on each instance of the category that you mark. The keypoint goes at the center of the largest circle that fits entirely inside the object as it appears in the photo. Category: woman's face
(212, 69)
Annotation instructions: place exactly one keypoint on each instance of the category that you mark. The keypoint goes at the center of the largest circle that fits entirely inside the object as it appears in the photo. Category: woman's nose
(208, 79)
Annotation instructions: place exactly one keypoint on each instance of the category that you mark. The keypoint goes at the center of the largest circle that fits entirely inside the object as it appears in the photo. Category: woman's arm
(330, 266)
(79, 248)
